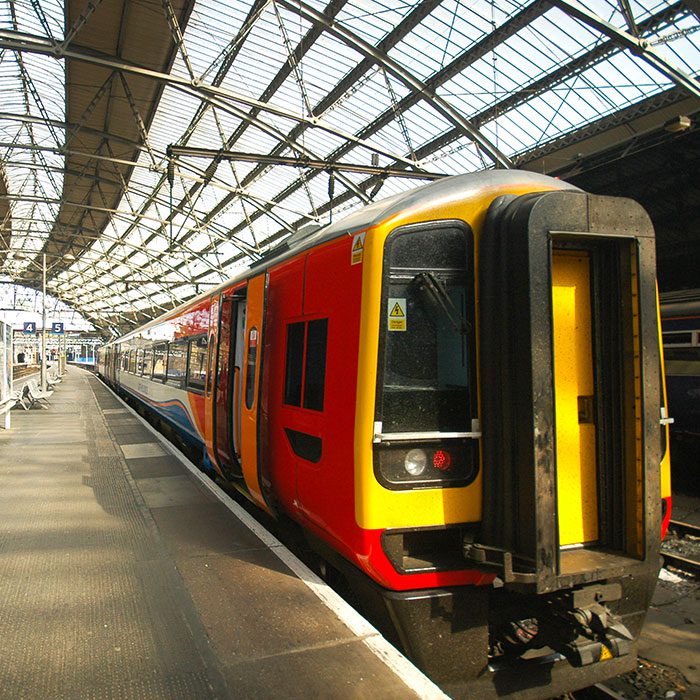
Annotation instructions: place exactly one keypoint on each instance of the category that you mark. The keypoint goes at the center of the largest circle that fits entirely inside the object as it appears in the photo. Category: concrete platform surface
(121, 576)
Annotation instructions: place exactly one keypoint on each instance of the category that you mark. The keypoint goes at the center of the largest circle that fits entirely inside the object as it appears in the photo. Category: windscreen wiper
(428, 283)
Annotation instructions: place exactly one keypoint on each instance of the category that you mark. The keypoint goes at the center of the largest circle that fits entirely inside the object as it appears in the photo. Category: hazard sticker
(605, 653)
(358, 248)
(397, 314)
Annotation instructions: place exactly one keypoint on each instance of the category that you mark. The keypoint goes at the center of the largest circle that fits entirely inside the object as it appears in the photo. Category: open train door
(227, 389)
(569, 370)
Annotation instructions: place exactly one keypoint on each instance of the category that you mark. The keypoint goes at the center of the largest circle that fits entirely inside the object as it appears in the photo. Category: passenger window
(315, 373)
(132, 361)
(250, 367)
(210, 364)
(160, 353)
(148, 362)
(295, 363)
(306, 364)
(197, 364)
(177, 363)
(139, 361)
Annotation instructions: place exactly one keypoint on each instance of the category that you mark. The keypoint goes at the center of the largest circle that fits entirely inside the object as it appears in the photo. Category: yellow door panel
(577, 484)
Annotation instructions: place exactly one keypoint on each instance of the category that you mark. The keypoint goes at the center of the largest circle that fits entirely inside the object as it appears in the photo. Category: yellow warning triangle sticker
(397, 311)
(358, 243)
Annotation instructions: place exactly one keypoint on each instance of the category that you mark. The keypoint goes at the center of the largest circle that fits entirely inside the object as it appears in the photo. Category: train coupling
(585, 630)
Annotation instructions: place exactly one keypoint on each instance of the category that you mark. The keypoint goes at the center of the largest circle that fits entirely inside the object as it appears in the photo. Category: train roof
(448, 190)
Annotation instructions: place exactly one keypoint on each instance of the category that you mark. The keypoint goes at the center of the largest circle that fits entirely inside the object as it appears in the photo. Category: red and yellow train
(456, 393)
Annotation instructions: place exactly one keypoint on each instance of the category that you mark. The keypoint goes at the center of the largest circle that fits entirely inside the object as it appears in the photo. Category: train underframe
(497, 641)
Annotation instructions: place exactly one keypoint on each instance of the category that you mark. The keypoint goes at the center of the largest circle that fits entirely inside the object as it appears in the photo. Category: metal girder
(267, 209)
(218, 96)
(81, 19)
(417, 15)
(470, 55)
(541, 85)
(292, 57)
(264, 159)
(304, 121)
(68, 126)
(238, 191)
(648, 106)
(525, 93)
(283, 138)
(118, 261)
(639, 47)
(467, 57)
(398, 71)
(176, 33)
(77, 307)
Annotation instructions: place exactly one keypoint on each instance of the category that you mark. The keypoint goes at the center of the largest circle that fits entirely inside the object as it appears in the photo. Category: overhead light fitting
(678, 124)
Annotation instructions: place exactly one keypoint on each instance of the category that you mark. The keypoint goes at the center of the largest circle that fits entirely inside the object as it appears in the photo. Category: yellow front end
(377, 507)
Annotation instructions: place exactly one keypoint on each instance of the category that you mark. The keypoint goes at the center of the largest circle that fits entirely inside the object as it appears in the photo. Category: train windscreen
(425, 347)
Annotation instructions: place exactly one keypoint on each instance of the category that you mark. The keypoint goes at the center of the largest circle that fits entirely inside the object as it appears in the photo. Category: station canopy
(151, 149)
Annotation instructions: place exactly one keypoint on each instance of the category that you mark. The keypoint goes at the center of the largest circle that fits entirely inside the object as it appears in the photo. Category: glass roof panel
(522, 74)
(32, 98)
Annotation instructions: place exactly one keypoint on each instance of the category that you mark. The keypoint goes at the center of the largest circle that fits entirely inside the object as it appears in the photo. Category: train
(680, 323)
(456, 394)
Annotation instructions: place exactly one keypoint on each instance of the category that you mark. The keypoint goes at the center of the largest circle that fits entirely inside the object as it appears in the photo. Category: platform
(124, 576)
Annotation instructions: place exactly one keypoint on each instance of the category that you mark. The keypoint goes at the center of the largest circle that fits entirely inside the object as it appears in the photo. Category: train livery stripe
(173, 410)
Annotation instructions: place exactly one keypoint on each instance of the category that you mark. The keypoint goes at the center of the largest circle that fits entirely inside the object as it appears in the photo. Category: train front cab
(568, 433)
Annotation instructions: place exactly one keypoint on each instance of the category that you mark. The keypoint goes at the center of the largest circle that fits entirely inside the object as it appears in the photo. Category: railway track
(683, 529)
(687, 564)
(599, 691)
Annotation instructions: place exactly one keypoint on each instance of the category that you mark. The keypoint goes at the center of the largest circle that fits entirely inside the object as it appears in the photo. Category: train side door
(249, 397)
(238, 357)
(227, 386)
(210, 394)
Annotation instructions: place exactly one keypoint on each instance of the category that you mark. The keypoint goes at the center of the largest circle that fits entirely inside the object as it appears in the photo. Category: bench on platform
(8, 403)
(34, 395)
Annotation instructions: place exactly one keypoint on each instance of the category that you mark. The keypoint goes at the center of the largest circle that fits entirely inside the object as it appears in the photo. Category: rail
(687, 565)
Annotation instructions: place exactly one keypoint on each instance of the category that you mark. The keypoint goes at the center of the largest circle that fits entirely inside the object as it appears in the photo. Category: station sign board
(57, 328)
(29, 327)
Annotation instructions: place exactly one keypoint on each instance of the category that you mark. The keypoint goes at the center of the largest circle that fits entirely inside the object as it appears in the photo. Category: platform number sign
(57, 328)
(29, 327)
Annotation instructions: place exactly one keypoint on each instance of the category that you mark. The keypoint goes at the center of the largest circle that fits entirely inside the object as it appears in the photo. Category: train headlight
(415, 462)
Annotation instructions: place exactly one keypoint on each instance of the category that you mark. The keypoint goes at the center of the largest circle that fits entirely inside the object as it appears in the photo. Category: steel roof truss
(639, 47)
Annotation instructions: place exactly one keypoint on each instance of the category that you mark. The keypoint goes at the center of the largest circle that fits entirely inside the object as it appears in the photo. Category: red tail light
(442, 460)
